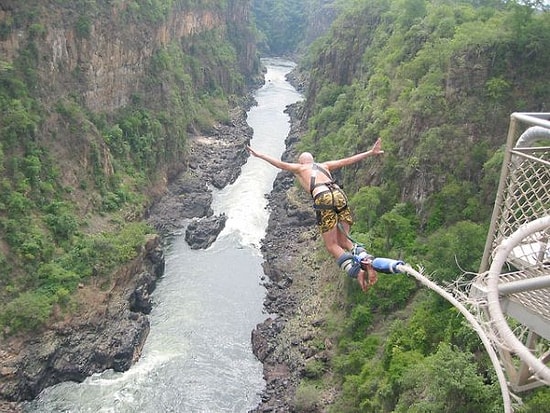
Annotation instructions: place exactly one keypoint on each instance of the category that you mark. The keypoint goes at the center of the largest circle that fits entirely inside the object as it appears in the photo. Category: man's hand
(372, 278)
(377, 147)
(372, 275)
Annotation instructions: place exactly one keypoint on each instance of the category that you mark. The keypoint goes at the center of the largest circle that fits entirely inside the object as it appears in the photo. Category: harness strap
(314, 168)
(341, 228)
(312, 179)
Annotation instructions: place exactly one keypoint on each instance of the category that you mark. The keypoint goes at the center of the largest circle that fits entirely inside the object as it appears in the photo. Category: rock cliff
(84, 61)
(102, 52)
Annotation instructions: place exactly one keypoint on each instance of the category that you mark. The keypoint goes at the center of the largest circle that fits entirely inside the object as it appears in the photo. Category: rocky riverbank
(214, 161)
(107, 331)
(111, 325)
(291, 341)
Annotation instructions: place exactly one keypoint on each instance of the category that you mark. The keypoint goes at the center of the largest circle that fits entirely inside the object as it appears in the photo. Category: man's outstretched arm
(292, 167)
(375, 150)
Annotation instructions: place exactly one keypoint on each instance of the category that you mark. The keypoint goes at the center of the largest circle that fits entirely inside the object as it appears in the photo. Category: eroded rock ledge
(214, 161)
(107, 332)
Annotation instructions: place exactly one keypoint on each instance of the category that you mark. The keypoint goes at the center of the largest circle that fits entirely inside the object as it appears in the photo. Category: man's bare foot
(366, 266)
(372, 275)
(362, 281)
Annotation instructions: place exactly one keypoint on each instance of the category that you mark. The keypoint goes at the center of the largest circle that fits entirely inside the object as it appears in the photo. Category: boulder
(187, 197)
(202, 232)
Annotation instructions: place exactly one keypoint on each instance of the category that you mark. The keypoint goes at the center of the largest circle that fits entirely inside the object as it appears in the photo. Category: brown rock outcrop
(290, 239)
(105, 333)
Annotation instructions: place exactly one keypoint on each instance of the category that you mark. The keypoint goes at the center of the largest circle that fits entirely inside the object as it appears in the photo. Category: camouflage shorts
(331, 208)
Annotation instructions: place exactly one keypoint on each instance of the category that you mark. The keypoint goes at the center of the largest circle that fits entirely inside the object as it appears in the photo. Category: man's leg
(344, 259)
(342, 238)
(338, 244)
(332, 245)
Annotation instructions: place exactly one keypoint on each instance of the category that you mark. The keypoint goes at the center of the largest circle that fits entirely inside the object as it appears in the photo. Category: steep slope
(437, 81)
(99, 102)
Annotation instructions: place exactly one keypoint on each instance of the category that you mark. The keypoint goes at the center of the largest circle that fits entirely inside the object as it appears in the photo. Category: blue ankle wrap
(350, 264)
(386, 265)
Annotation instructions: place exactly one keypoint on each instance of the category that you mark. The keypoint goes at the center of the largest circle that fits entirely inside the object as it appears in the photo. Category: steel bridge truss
(512, 290)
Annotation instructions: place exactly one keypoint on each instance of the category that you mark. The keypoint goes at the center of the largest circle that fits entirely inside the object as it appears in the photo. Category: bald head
(305, 157)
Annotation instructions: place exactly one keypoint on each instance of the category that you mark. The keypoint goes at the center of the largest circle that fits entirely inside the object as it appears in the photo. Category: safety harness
(331, 185)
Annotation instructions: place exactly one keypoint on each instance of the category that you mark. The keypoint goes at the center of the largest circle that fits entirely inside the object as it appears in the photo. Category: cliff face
(103, 53)
(395, 73)
(93, 93)
(94, 59)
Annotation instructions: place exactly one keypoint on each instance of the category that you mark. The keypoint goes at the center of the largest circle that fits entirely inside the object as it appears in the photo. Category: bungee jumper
(334, 217)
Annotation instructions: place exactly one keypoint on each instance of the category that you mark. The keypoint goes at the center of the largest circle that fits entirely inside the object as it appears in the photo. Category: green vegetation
(282, 25)
(437, 81)
(54, 280)
(74, 183)
(46, 251)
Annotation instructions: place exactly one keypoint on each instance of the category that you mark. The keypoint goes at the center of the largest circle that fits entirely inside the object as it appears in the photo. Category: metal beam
(527, 284)
(540, 119)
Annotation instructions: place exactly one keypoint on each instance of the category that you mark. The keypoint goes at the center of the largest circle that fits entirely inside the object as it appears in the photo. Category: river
(198, 355)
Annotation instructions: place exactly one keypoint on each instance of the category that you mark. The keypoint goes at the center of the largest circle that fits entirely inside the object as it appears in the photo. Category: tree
(446, 382)
(455, 249)
(366, 204)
